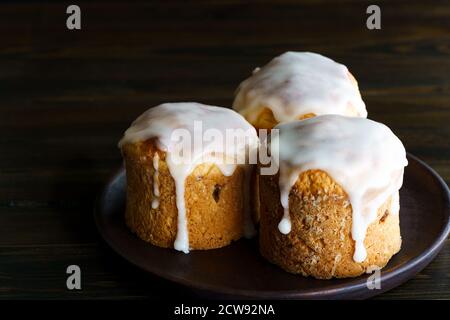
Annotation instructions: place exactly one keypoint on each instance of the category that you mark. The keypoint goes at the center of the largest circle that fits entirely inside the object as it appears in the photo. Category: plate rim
(394, 278)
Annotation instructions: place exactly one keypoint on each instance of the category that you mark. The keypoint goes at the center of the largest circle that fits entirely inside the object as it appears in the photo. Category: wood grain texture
(67, 96)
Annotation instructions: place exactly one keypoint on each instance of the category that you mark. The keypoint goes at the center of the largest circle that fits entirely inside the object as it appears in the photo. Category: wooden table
(67, 96)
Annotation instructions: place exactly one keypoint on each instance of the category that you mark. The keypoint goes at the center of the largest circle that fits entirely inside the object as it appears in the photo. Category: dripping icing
(249, 228)
(155, 200)
(395, 203)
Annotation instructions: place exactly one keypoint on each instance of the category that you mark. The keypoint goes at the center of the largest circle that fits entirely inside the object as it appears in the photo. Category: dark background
(67, 96)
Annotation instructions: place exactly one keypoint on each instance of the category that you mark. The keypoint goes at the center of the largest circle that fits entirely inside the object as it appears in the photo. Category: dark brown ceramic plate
(239, 271)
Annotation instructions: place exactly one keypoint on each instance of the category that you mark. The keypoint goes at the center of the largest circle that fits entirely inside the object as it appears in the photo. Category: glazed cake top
(299, 83)
(169, 122)
(363, 156)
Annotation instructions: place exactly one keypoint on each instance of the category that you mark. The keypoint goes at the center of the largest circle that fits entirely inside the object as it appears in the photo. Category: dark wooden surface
(66, 97)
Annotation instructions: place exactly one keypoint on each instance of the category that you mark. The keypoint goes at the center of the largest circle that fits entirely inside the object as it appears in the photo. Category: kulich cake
(296, 86)
(332, 210)
(188, 193)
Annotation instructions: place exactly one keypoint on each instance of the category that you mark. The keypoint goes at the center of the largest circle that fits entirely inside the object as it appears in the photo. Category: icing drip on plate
(191, 134)
(363, 156)
(299, 83)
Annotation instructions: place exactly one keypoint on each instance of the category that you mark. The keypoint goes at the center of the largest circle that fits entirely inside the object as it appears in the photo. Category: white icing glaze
(297, 83)
(364, 157)
(160, 122)
(155, 200)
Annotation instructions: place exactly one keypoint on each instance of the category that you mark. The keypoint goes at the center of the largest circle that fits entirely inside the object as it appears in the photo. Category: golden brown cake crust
(320, 243)
(266, 119)
(214, 202)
